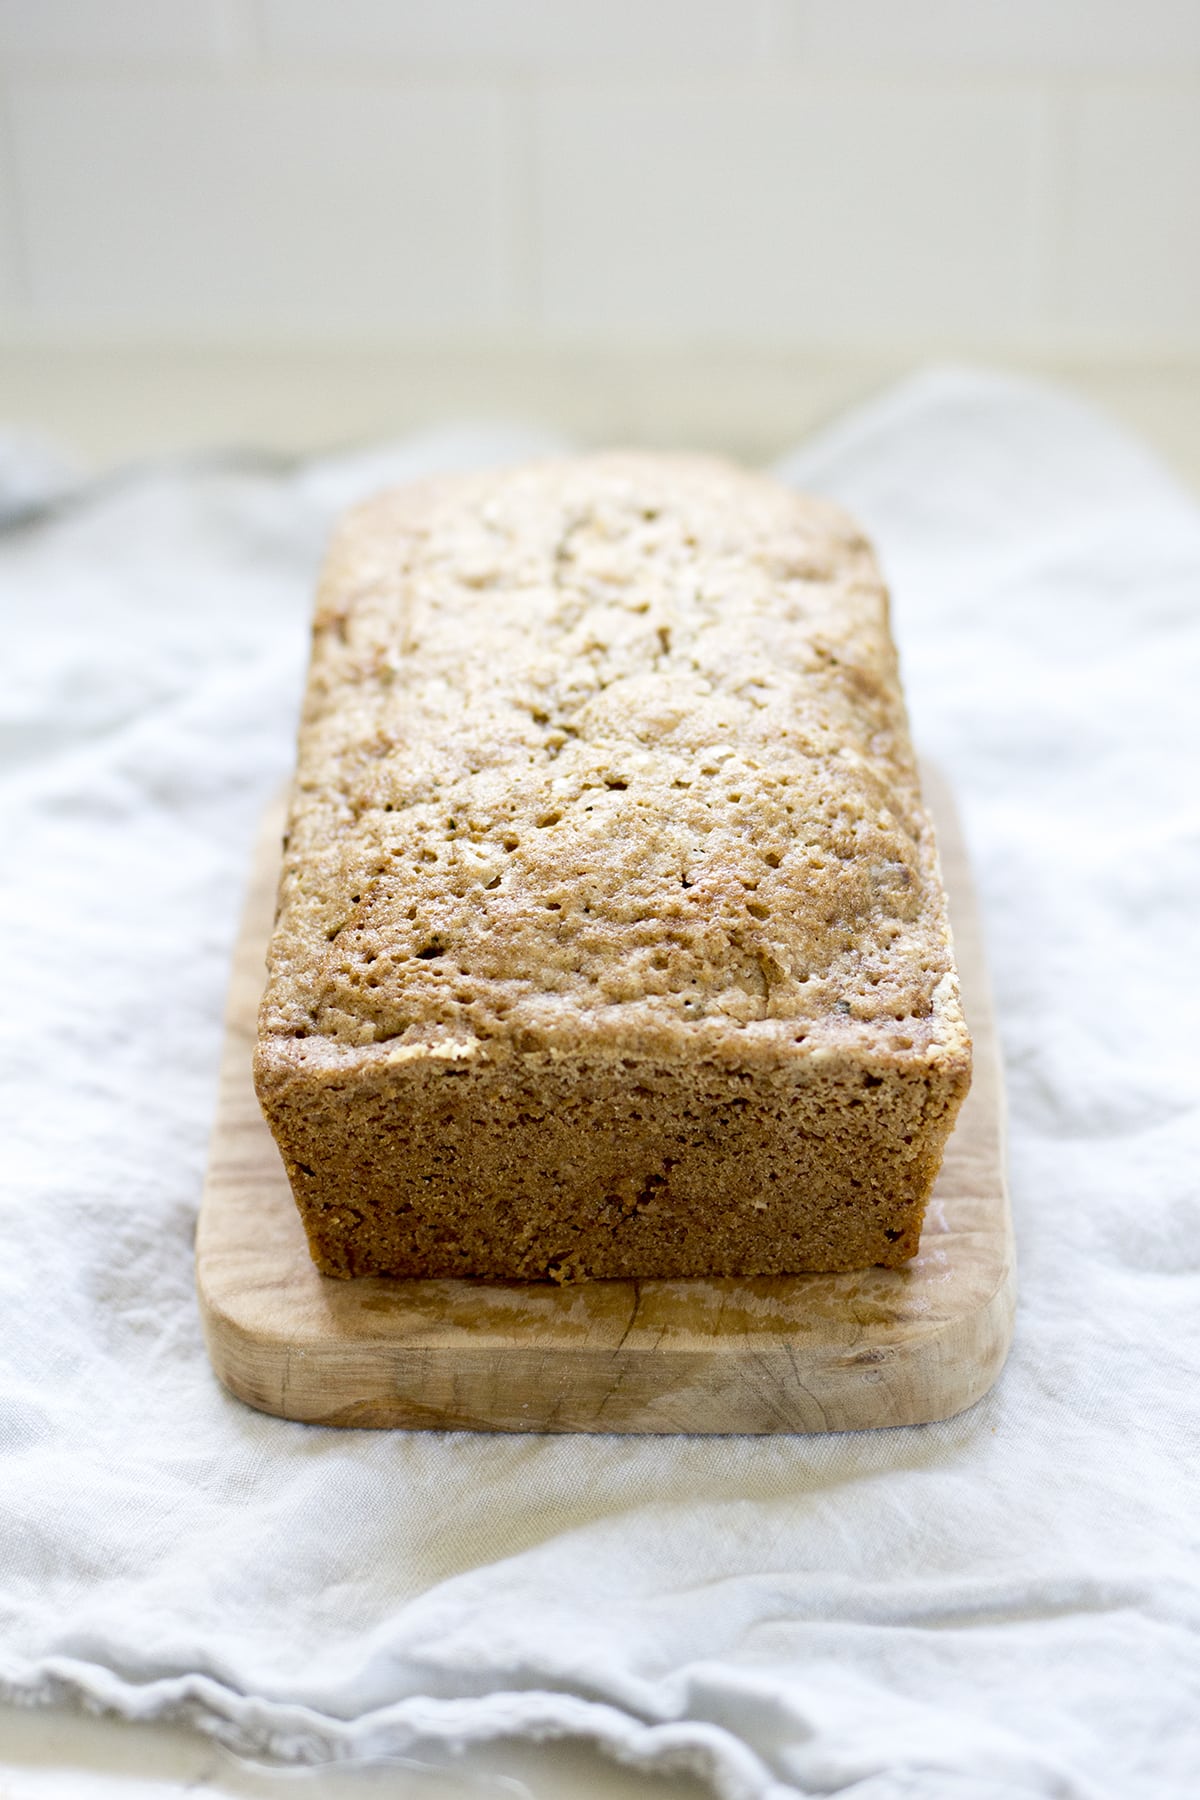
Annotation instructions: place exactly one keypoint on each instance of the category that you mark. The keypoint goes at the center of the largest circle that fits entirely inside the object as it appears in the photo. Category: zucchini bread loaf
(611, 937)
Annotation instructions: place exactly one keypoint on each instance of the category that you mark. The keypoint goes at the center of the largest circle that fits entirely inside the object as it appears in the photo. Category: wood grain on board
(798, 1353)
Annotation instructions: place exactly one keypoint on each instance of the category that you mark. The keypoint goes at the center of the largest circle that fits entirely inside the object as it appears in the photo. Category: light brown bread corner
(611, 936)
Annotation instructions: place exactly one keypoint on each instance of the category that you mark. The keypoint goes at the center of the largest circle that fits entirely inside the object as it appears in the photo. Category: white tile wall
(924, 173)
(1131, 268)
(132, 32)
(843, 211)
(990, 36)
(508, 34)
(324, 207)
(10, 279)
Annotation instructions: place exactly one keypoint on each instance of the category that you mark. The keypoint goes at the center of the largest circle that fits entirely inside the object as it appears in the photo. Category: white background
(294, 222)
(1020, 177)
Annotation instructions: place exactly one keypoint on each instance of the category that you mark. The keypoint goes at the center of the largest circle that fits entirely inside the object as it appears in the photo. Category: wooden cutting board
(776, 1353)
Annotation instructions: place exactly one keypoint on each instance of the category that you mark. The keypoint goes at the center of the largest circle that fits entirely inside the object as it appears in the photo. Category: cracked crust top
(610, 749)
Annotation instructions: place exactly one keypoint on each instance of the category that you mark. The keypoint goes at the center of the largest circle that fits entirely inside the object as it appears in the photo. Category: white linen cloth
(1003, 1605)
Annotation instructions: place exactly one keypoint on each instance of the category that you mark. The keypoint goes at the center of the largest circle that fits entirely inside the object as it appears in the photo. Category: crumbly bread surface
(611, 936)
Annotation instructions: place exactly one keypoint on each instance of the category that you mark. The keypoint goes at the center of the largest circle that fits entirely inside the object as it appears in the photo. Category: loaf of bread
(611, 936)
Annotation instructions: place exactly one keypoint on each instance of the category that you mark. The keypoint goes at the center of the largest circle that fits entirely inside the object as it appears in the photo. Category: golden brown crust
(611, 932)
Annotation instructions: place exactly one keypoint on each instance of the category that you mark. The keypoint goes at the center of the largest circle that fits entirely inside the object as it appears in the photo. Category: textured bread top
(606, 751)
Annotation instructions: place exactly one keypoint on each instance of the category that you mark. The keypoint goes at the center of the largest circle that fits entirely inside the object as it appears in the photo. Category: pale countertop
(109, 407)
(112, 405)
